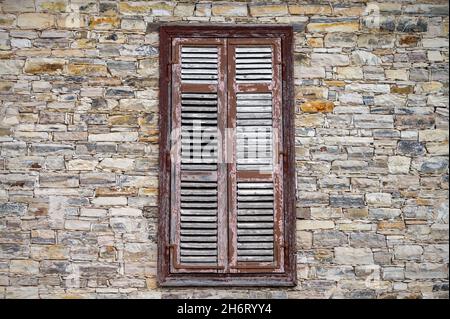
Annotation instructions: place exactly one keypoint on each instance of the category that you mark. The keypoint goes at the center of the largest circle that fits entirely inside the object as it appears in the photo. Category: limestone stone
(35, 20)
(109, 201)
(361, 57)
(305, 72)
(317, 25)
(184, 10)
(384, 213)
(10, 67)
(400, 74)
(349, 73)
(22, 293)
(433, 135)
(120, 164)
(114, 137)
(353, 256)
(234, 10)
(132, 212)
(81, 165)
(314, 224)
(372, 41)
(379, 199)
(49, 252)
(425, 271)
(367, 240)
(408, 252)
(310, 9)
(328, 59)
(24, 267)
(268, 10)
(77, 224)
(329, 238)
(87, 69)
(430, 87)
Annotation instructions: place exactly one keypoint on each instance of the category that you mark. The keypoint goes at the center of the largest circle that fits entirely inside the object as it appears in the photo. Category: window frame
(164, 277)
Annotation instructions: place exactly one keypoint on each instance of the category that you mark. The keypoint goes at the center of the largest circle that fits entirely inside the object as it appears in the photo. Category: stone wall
(79, 146)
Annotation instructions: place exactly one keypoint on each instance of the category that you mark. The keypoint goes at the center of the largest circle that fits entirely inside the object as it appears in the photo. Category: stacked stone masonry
(79, 146)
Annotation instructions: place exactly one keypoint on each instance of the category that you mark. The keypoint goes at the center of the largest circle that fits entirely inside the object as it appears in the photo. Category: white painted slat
(253, 49)
(198, 239)
(188, 49)
(255, 224)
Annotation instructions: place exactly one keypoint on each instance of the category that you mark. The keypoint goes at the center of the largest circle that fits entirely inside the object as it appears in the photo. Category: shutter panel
(255, 173)
(198, 215)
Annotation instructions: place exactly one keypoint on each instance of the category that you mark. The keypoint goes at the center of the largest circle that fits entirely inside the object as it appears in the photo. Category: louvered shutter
(198, 216)
(255, 173)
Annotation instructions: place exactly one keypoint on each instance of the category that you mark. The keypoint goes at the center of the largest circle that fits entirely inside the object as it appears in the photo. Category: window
(227, 174)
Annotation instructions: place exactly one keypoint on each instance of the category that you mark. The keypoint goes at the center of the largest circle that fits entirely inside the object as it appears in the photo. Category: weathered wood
(256, 258)
(252, 272)
(253, 49)
(253, 245)
(255, 218)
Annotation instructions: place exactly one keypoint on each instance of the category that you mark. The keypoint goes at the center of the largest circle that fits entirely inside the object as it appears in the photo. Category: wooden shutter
(255, 172)
(198, 214)
(227, 194)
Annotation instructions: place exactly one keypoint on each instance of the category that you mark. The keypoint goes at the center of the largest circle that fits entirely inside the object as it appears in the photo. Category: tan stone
(52, 5)
(148, 191)
(400, 74)
(315, 42)
(104, 23)
(40, 252)
(151, 282)
(71, 20)
(268, 10)
(44, 66)
(17, 5)
(356, 213)
(81, 165)
(184, 10)
(233, 10)
(134, 7)
(310, 92)
(35, 20)
(430, 87)
(317, 107)
(314, 224)
(304, 239)
(391, 225)
(87, 69)
(334, 83)
(438, 135)
(309, 120)
(117, 164)
(310, 9)
(349, 26)
(123, 120)
(350, 73)
(408, 40)
(402, 89)
(7, 20)
(116, 191)
(349, 11)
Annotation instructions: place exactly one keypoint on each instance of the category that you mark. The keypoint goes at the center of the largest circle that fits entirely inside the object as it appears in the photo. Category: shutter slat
(199, 65)
(255, 228)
